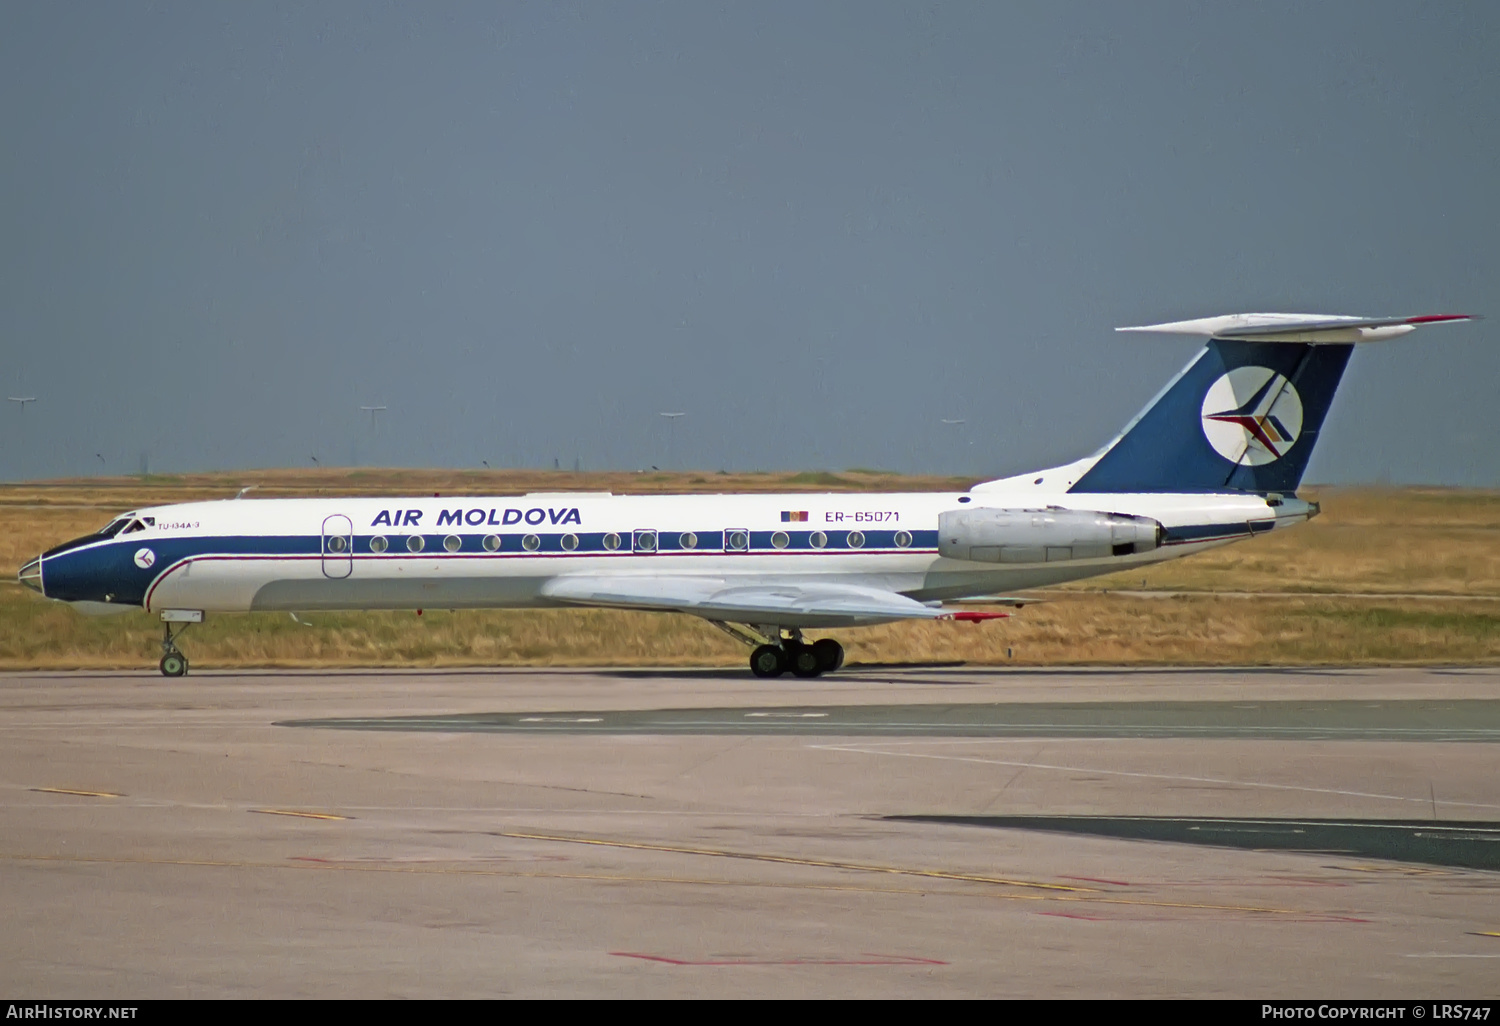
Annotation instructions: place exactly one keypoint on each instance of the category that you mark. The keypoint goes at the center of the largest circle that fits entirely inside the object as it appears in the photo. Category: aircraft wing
(785, 602)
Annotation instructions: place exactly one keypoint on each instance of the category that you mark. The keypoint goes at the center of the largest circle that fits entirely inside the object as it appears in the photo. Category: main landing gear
(823, 656)
(777, 650)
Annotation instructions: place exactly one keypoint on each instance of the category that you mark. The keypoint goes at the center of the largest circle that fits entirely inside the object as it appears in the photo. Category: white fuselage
(473, 551)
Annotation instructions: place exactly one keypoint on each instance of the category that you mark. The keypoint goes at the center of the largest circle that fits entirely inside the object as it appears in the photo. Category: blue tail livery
(1245, 414)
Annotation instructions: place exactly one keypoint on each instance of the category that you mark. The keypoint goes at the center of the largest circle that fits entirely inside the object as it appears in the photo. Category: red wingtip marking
(1434, 318)
(974, 616)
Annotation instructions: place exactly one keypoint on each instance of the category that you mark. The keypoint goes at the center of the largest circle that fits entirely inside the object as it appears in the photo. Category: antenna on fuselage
(22, 399)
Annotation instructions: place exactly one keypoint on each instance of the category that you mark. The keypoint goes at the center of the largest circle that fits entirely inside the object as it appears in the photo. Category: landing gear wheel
(830, 654)
(768, 661)
(173, 662)
(805, 661)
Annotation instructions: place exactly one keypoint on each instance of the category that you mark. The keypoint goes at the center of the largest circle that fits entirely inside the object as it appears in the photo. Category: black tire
(805, 661)
(830, 654)
(174, 664)
(768, 661)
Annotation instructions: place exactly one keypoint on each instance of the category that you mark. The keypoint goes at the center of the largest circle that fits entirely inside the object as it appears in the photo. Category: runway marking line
(858, 867)
(866, 749)
(1485, 933)
(300, 815)
(305, 863)
(865, 959)
(1440, 954)
(1100, 879)
(311, 866)
(1074, 915)
(85, 794)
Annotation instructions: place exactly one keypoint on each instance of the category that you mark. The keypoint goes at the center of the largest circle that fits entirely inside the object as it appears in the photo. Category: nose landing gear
(173, 662)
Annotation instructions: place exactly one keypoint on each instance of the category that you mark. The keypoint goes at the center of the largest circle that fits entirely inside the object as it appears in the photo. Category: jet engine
(1043, 535)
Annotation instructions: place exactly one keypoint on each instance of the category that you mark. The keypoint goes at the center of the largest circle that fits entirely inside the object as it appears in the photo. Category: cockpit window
(133, 526)
(112, 528)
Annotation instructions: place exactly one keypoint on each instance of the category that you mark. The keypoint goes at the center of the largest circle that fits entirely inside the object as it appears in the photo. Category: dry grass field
(1384, 576)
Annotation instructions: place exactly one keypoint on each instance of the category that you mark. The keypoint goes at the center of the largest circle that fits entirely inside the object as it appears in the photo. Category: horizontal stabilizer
(1284, 327)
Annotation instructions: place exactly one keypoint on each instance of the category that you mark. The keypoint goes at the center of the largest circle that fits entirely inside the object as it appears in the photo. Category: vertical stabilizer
(1246, 413)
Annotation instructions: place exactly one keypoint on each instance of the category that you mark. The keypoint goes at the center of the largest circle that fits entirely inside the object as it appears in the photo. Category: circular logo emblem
(144, 558)
(1252, 415)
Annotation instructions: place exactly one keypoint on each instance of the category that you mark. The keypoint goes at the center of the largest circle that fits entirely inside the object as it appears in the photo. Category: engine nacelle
(1043, 535)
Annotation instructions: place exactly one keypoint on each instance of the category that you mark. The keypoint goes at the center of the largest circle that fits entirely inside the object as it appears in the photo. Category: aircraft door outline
(338, 546)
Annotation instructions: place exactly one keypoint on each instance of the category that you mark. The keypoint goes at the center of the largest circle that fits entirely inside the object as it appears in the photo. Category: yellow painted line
(429, 870)
(1486, 933)
(1196, 905)
(301, 815)
(86, 794)
(788, 860)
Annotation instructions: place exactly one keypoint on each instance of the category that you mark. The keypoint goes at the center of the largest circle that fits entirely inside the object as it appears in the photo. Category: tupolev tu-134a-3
(1215, 458)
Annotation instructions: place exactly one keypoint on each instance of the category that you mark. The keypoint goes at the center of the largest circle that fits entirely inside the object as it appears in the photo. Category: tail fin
(1245, 414)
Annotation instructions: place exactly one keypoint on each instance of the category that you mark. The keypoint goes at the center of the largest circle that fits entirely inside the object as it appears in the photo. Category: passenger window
(737, 541)
(903, 539)
(414, 543)
(611, 541)
(492, 543)
(856, 539)
(569, 542)
(453, 543)
(817, 539)
(378, 544)
(645, 541)
(531, 543)
(337, 543)
(687, 540)
(780, 539)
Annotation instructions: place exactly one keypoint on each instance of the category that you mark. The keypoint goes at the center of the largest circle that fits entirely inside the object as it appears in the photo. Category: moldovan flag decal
(794, 516)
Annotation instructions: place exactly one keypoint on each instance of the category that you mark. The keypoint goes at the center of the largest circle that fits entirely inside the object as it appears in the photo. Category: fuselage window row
(643, 542)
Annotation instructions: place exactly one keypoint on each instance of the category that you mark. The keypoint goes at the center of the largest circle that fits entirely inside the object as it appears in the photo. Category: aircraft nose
(31, 575)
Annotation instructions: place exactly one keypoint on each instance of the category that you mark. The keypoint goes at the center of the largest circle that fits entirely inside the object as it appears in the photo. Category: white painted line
(1424, 800)
(556, 719)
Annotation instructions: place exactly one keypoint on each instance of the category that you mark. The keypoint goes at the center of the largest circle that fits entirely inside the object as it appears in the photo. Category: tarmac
(908, 831)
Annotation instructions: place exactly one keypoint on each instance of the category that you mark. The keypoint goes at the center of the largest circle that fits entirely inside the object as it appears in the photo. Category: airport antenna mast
(672, 419)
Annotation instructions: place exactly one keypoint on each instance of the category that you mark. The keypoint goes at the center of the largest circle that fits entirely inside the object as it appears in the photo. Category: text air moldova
(479, 517)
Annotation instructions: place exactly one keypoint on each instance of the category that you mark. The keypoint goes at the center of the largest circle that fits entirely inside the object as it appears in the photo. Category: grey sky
(818, 229)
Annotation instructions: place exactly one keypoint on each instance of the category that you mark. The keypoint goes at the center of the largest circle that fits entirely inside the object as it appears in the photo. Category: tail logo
(1252, 415)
